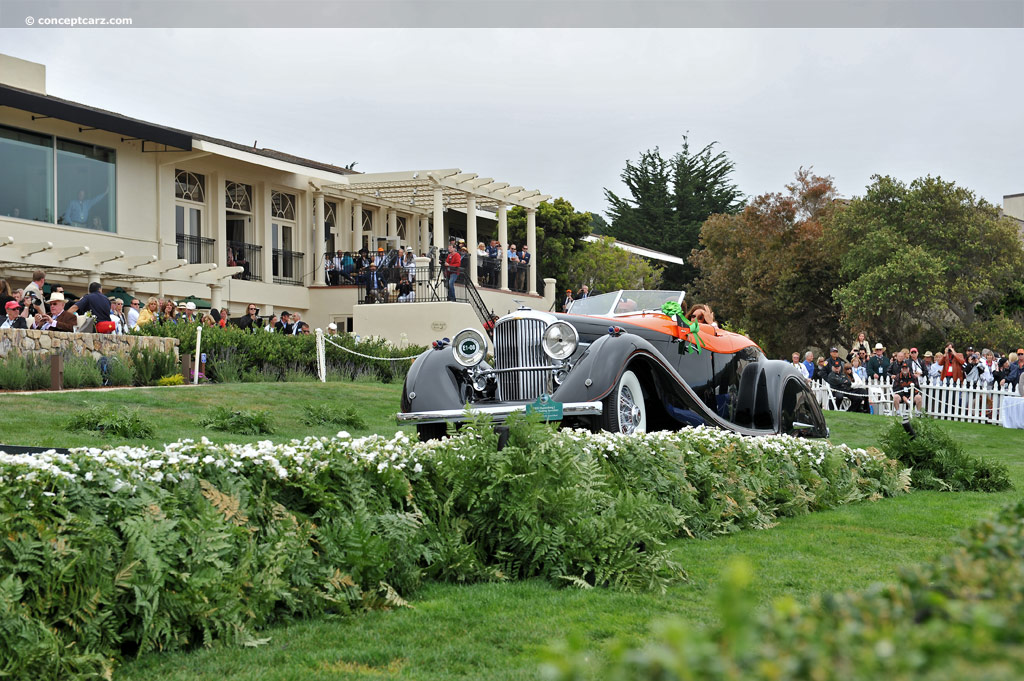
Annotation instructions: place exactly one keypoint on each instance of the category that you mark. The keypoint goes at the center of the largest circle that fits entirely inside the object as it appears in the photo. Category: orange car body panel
(712, 337)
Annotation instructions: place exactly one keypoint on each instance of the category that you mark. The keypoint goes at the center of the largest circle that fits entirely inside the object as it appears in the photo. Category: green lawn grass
(495, 631)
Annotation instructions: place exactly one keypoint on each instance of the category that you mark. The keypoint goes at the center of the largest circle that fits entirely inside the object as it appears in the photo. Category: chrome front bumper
(497, 412)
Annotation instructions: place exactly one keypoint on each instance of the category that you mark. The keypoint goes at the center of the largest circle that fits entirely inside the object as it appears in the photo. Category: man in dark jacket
(878, 365)
(903, 386)
(15, 316)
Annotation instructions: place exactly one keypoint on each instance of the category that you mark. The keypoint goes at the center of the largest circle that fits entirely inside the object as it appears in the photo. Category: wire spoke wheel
(624, 408)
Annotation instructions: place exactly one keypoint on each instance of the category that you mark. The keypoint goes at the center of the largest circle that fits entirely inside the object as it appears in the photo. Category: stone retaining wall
(34, 342)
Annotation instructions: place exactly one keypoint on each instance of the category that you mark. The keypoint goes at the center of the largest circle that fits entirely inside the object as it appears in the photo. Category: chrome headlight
(470, 347)
(560, 340)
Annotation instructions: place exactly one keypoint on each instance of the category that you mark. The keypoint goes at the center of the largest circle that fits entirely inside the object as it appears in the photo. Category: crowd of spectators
(389, 276)
(986, 369)
(96, 312)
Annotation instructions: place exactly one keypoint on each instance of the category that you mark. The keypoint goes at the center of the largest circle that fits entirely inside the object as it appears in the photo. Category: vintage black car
(614, 361)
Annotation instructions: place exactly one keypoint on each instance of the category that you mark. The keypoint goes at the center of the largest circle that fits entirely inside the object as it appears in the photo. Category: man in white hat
(332, 329)
(878, 365)
(56, 303)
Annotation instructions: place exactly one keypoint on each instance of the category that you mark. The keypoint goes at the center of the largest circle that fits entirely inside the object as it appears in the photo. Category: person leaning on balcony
(148, 314)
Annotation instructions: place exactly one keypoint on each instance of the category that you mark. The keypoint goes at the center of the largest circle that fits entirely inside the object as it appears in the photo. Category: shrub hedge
(236, 355)
(959, 618)
(107, 553)
(939, 462)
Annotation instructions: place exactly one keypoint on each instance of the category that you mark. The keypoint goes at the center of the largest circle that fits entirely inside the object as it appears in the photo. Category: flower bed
(111, 552)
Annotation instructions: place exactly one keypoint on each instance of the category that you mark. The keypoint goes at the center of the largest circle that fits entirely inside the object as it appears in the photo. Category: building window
(367, 220)
(32, 166)
(400, 224)
(190, 193)
(282, 205)
(189, 186)
(238, 197)
(26, 175)
(85, 185)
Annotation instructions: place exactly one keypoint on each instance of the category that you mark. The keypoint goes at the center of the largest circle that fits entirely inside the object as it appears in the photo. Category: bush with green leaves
(240, 422)
(237, 355)
(82, 372)
(113, 552)
(330, 414)
(152, 364)
(939, 462)
(30, 372)
(958, 618)
(119, 422)
(120, 370)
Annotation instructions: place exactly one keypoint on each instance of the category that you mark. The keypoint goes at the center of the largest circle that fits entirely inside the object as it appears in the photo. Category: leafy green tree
(769, 271)
(604, 267)
(924, 256)
(669, 201)
(559, 230)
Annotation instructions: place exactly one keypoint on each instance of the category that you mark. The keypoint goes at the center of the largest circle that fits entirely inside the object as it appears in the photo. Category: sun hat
(190, 305)
(332, 326)
(879, 346)
(56, 296)
(928, 353)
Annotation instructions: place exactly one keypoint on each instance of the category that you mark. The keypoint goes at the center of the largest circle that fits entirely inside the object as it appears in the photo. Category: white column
(216, 297)
(263, 207)
(471, 242)
(219, 219)
(439, 218)
(318, 240)
(503, 241)
(345, 225)
(357, 226)
(392, 224)
(531, 245)
(424, 235)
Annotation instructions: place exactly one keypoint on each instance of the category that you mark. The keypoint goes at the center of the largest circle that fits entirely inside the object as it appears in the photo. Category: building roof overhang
(413, 190)
(113, 266)
(87, 116)
(639, 250)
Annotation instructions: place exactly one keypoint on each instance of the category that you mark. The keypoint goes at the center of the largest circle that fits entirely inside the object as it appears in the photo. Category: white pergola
(426, 194)
(109, 266)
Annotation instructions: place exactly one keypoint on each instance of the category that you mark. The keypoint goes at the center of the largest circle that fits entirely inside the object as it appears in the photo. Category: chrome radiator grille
(517, 343)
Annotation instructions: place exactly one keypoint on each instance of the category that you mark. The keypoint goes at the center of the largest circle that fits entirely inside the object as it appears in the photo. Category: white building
(91, 195)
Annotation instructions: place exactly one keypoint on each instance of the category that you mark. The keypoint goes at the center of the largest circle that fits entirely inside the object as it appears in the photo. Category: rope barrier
(383, 359)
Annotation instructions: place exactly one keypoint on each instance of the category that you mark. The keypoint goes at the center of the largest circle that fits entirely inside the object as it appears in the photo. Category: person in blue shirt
(77, 213)
(809, 363)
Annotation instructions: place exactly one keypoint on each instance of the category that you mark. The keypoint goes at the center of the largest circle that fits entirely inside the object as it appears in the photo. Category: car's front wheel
(624, 408)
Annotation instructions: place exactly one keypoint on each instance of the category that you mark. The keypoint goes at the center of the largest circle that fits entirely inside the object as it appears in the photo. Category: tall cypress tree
(670, 200)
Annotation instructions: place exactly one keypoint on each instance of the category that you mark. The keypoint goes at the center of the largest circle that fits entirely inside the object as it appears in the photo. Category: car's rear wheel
(624, 408)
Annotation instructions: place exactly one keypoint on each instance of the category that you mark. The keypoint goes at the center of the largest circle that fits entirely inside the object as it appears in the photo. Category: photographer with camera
(452, 262)
(952, 363)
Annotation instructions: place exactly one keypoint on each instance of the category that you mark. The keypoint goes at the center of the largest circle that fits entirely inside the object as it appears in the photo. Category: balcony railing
(288, 267)
(247, 256)
(488, 274)
(195, 249)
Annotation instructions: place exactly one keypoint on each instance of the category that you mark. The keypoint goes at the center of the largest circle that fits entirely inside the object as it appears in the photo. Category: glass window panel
(26, 175)
(85, 185)
(196, 221)
(189, 186)
(282, 205)
(238, 196)
(179, 219)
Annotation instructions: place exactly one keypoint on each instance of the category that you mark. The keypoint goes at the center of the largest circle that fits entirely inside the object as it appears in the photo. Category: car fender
(436, 381)
(597, 371)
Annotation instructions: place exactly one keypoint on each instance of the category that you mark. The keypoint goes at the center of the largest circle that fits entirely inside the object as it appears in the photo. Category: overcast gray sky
(562, 110)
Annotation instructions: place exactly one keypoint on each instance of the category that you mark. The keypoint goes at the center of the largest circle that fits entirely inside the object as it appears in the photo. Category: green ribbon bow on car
(672, 309)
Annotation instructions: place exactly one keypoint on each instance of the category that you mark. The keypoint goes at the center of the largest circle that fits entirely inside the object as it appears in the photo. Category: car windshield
(625, 302)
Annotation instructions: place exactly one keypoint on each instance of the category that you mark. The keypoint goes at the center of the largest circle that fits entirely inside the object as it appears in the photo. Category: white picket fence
(956, 401)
